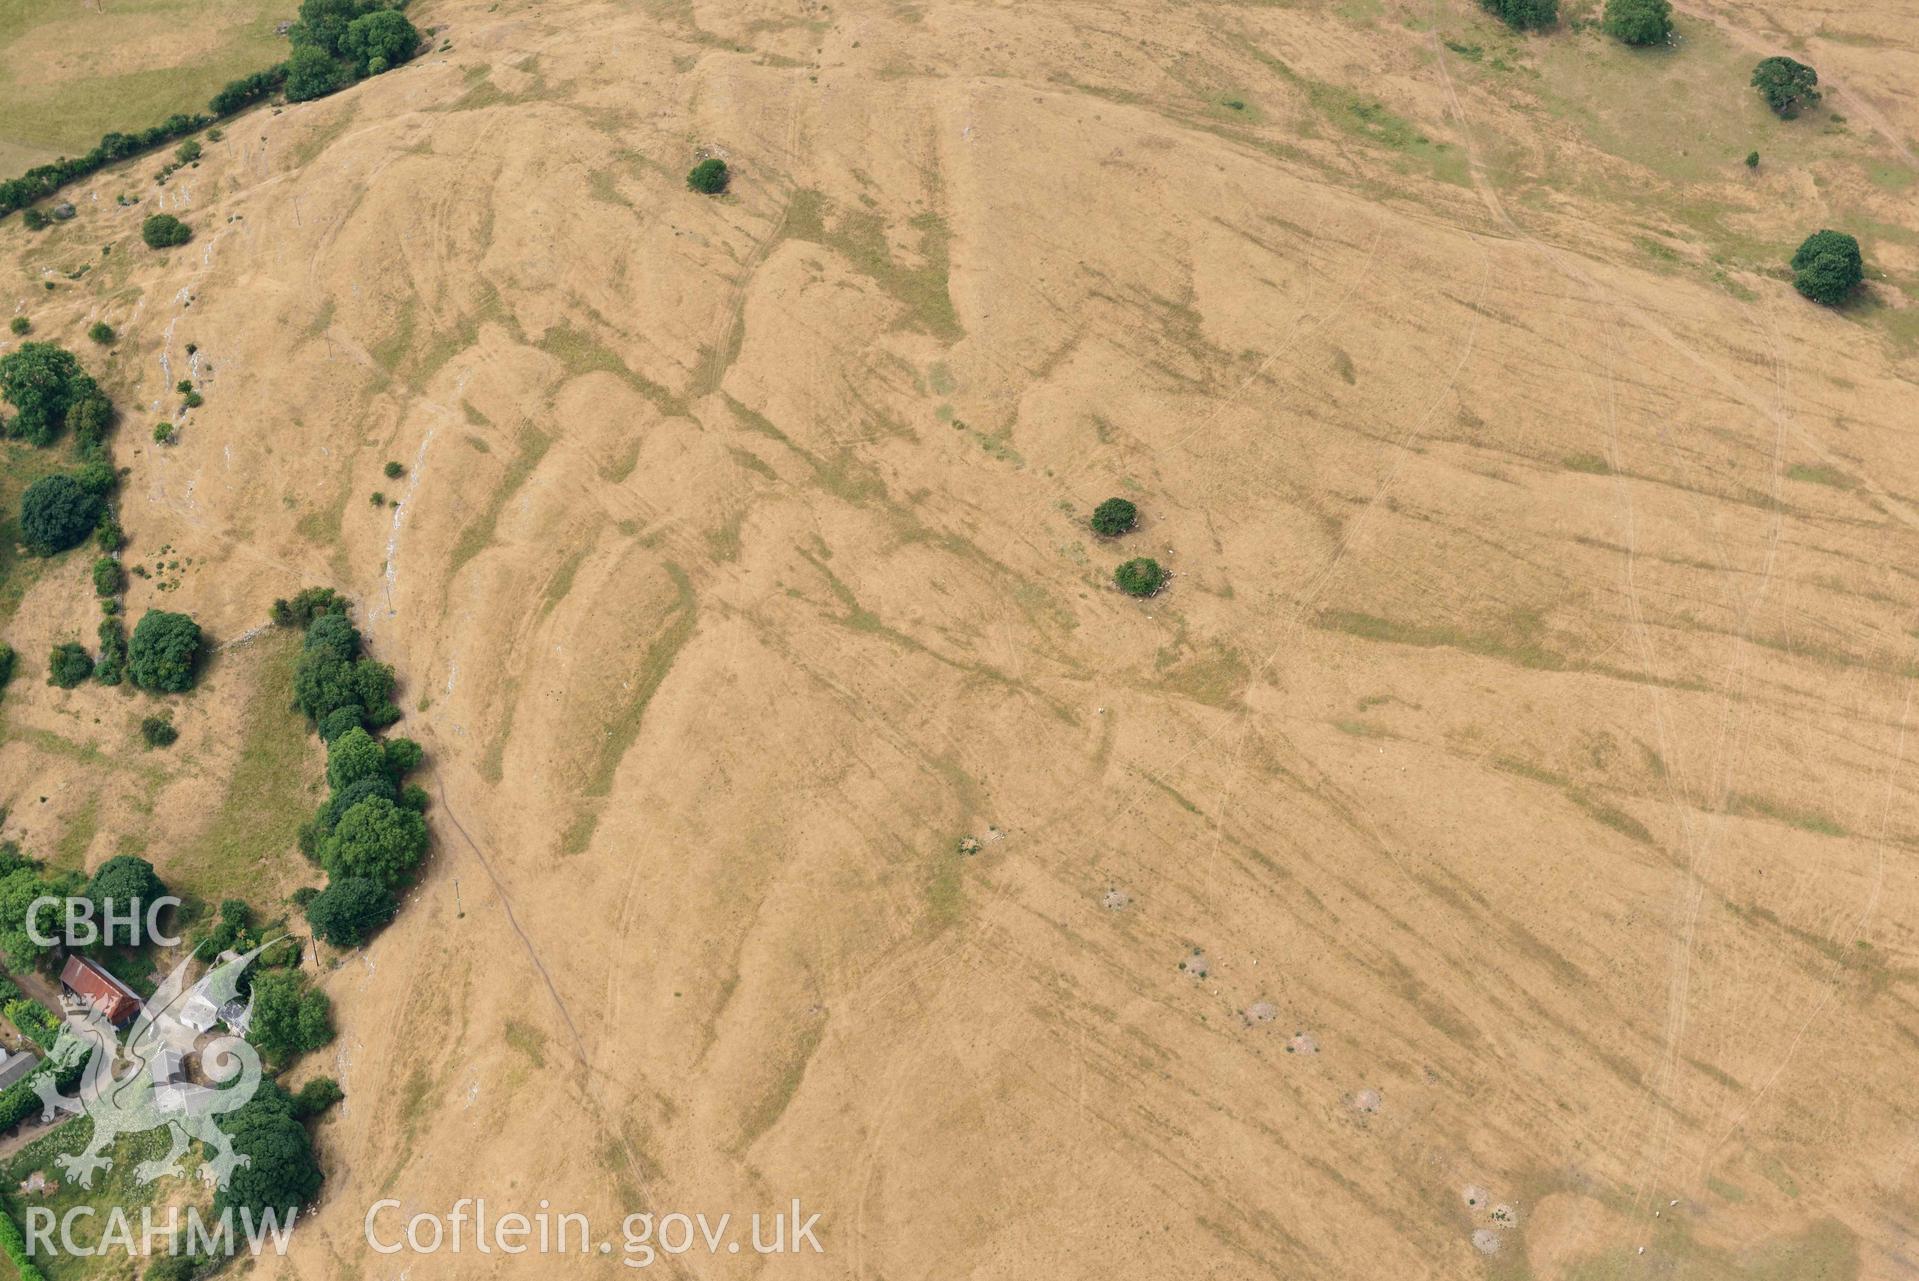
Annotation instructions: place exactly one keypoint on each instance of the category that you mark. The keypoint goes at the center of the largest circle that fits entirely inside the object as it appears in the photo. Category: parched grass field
(71, 70)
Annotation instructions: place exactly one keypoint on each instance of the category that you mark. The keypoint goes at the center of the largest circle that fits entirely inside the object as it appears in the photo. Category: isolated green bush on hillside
(68, 665)
(1114, 517)
(709, 177)
(1786, 84)
(163, 231)
(164, 653)
(1638, 22)
(1141, 577)
(1524, 15)
(57, 512)
(1828, 267)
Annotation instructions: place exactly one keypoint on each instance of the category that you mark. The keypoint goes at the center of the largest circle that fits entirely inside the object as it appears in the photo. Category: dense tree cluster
(25, 890)
(369, 834)
(332, 676)
(307, 604)
(288, 1017)
(316, 1096)
(48, 390)
(336, 42)
(112, 667)
(232, 931)
(108, 578)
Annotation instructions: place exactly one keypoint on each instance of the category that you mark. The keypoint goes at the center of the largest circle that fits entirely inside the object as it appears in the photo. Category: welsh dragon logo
(143, 1084)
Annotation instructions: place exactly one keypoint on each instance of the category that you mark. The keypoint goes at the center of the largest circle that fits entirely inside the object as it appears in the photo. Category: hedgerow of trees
(369, 834)
(44, 180)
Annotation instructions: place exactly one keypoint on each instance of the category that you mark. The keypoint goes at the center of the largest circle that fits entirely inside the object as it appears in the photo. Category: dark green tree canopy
(68, 665)
(288, 1016)
(281, 1174)
(58, 512)
(1141, 577)
(307, 604)
(375, 839)
(316, 1096)
(108, 578)
(42, 380)
(335, 634)
(1786, 84)
(323, 24)
(1828, 267)
(347, 797)
(354, 756)
(1638, 22)
(163, 231)
(1524, 15)
(124, 886)
(379, 40)
(164, 652)
(349, 910)
(1114, 517)
(709, 177)
(314, 73)
(20, 888)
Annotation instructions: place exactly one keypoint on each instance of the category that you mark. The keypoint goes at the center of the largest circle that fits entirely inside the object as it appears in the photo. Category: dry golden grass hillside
(1510, 803)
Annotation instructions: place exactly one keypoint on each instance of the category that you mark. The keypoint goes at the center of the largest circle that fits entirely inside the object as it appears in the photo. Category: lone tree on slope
(1141, 577)
(1828, 267)
(1638, 22)
(1786, 84)
(1114, 517)
(709, 177)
